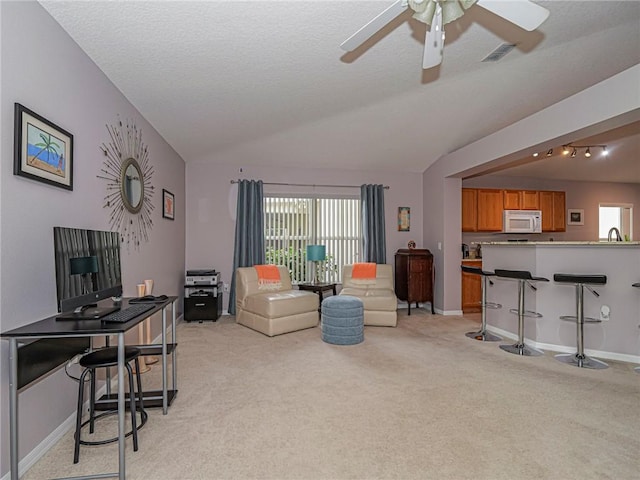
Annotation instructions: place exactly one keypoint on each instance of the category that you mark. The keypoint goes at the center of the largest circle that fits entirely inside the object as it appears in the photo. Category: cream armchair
(377, 295)
(276, 310)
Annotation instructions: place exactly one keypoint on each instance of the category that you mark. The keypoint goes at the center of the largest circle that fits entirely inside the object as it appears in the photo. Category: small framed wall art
(42, 151)
(404, 219)
(575, 216)
(168, 204)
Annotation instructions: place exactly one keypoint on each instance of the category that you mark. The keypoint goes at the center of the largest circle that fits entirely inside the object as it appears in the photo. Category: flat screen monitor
(87, 271)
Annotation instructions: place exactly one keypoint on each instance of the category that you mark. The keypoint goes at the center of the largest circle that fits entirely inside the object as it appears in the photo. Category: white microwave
(521, 221)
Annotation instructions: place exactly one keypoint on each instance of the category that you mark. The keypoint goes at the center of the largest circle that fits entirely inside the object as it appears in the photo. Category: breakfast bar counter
(617, 337)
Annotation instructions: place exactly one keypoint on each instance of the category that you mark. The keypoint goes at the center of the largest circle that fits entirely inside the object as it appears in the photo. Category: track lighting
(550, 152)
(535, 154)
(565, 150)
(587, 152)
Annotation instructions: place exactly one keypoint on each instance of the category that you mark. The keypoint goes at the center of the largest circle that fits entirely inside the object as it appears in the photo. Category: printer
(202, 278)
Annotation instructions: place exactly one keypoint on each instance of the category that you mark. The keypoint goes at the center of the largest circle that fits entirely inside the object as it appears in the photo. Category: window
(292, 223)
(615, 215)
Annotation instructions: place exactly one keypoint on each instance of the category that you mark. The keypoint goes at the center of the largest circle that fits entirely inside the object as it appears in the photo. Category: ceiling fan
(437, 13)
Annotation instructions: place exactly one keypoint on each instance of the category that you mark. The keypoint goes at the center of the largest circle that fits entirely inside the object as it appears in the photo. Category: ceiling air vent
(499, 52)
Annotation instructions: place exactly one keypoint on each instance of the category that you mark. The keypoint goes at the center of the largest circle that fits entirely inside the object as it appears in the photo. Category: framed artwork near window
(168, 204)
(575, 216)
(404, 219)
(42, 151)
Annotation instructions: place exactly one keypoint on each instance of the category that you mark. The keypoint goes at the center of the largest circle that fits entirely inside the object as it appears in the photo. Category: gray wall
(211, 205)
(43, 69)
(606, 105)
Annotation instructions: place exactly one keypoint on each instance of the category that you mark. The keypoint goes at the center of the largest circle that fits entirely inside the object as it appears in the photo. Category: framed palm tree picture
(42, 150)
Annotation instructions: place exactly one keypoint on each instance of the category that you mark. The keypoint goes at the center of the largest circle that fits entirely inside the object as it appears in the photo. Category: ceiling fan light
(550, 152)
(587, 153)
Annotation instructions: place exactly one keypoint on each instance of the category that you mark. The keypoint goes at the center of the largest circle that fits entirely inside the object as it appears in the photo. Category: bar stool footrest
(573, 318)
(527, 313)
(143, 419)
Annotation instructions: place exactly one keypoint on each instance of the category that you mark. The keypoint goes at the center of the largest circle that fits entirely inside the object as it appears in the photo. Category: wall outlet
(605, 313)
(225, 287)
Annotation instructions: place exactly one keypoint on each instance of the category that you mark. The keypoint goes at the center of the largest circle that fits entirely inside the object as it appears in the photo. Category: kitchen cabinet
(521, 199)
(552, 205)
(414, 276)
(469, 210)
(471, 288)
(489, 210)
(482, 208)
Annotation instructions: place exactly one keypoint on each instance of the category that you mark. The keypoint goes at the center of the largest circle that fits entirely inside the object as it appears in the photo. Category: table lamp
(84, 266)
(315, 254)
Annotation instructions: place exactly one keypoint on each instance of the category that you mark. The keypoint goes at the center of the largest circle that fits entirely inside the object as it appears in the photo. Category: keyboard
(129, 313)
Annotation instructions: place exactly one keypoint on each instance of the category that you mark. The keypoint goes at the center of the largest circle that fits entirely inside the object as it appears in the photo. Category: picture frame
(404, 219)
(168, 204)
(575, 216)
(42, 151)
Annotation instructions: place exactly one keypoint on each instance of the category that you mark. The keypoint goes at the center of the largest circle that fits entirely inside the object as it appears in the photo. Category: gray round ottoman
(342, 320)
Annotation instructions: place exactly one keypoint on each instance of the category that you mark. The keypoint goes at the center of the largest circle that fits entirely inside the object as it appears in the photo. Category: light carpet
(420, 401)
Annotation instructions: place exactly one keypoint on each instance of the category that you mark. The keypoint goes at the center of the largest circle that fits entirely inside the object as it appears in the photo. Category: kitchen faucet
(610, 235)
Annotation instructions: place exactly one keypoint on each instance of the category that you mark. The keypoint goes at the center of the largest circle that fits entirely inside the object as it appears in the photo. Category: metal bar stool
(108, 357)
(637, 285)
(579, 359)
(524, 278)
(482, 334)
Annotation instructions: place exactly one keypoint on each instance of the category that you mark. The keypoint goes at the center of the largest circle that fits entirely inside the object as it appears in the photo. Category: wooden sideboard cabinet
(414, 276)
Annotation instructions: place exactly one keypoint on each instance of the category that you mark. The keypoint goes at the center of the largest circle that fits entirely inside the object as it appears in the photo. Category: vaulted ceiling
(266, 83)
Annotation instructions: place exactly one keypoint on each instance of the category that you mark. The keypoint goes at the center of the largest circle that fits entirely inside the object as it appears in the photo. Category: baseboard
(620, 357)
(448, 312)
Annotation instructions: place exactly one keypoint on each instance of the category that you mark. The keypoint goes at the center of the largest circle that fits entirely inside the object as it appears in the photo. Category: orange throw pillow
(363, 271)
(268, 276)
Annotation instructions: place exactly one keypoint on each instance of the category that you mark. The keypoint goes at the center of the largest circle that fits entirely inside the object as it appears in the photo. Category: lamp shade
(316, 253)
(82, 265)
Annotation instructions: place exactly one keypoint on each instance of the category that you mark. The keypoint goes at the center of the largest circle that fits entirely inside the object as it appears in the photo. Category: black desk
(49, 329)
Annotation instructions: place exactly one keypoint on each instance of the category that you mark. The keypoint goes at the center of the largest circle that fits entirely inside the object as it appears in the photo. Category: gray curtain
(249, 240)
(374, 246)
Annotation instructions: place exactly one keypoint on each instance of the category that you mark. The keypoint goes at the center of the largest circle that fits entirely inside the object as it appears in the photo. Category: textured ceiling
(265, 82)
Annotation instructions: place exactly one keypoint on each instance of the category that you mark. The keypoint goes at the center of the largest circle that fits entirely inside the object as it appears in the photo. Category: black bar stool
(482, 334)
(579, 359)
(524, 278)
(637, 285)
(108, 357)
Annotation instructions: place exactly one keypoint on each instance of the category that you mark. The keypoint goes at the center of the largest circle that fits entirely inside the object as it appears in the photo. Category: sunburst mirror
(128, 174)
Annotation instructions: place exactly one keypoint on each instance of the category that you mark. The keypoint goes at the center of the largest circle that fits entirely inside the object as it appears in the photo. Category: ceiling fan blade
(434, 42)
(523, 13)
(371, 28)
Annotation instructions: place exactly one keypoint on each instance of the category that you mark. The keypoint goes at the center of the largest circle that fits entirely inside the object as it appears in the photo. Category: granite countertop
(563, 244)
